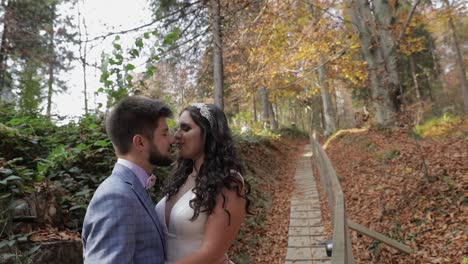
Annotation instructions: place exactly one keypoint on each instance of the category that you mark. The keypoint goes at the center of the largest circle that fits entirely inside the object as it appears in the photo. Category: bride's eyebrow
(181, 124)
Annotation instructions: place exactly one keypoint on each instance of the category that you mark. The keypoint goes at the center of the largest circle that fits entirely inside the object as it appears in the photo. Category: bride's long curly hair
(219, 170)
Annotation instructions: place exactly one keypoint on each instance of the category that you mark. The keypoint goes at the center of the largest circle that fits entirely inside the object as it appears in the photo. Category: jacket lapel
(129, 177)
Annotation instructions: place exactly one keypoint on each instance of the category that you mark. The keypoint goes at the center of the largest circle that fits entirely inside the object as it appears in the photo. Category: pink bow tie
(150, 181)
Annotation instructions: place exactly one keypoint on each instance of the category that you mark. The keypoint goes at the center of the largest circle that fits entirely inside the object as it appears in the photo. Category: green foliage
(74, 159)
(118, 73)
(242, 118)
(36, 35)
(441, 127)
(21, 254)
(291, 132)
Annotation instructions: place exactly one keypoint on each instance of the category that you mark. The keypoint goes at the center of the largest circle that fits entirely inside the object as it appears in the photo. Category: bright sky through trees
(101, 17)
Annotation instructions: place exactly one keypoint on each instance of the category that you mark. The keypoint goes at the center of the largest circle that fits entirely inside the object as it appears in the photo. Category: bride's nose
(177, 134)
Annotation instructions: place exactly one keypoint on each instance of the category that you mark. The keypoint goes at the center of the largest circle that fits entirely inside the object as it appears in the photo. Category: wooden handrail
(342, 249)
(375, 235)
(342, 252)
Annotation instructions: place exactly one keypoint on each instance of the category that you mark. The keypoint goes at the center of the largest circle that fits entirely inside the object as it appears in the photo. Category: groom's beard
(157, 159)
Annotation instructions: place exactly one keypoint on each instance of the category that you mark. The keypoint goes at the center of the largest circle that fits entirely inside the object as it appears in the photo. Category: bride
(206, 199)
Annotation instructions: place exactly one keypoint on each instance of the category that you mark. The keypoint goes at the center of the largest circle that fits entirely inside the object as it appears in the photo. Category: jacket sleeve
(109, 228)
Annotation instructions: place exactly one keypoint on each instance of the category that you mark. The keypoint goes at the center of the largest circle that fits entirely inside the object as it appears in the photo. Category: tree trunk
(315, 115)
(265, 107)
(277, 111)
(254, 104)
(50, 82)
(217, 54)
(4, 49)
(383, 14)
(362, 18)
(328, 109)
(271, 113)
(290, 112)
(418, 93)
(302, 119)
(459, 61)
(83, 56)
(85, 86)
(50, 86)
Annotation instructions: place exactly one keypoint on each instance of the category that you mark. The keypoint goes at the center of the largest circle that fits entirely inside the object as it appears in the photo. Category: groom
(121, 225)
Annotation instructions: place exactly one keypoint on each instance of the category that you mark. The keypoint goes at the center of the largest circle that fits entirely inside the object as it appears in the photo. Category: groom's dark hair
(134, 115)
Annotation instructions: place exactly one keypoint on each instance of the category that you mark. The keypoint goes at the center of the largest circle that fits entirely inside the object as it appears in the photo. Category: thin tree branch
(408, 19)
(143, 26)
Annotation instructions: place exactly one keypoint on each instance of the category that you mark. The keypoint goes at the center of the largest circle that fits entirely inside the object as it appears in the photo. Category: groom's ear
(138, 141)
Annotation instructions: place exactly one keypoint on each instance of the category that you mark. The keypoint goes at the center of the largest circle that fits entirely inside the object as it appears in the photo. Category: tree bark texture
(265, 107)
(459, 62)
(316, 114)
(217, 54)
(50, 82)
(328, 108)
(4, 48)
(271, 113)
(417, 92)
(254, 105)
(378, 48)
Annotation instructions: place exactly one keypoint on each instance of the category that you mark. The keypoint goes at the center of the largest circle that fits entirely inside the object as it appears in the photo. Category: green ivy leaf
(33, 250)
(83, 193)
(172, 36)
(23, 238)
(10, 178)
(102, 143)
(134, 53)
(130, 67)
(4, 243)
(139, 42)
(76, 207)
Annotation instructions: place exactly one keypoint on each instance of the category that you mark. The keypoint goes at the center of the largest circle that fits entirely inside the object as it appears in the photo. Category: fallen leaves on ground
(53, 234)
(411, 190)
(275, 167)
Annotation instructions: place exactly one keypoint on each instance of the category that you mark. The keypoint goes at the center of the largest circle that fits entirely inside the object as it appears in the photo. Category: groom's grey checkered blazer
(121, 225)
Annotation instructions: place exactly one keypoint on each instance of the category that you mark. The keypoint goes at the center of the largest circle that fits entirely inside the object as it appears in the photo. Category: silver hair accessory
(205, 112)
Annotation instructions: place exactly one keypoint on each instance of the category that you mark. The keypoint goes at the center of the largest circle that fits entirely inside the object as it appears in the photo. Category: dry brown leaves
(275, 166)
(413, 191)
(53, 234)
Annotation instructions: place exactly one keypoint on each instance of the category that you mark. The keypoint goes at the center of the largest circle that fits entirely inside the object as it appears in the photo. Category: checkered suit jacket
(121, 225)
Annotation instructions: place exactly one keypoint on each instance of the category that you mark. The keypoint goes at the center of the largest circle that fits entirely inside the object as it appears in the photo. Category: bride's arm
(219, 233)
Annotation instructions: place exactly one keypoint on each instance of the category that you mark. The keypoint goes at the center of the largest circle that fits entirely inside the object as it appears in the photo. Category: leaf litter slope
(411, 190)
(273, 163)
